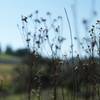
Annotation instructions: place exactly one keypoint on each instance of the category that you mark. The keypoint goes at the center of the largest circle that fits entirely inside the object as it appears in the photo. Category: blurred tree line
(18, 52)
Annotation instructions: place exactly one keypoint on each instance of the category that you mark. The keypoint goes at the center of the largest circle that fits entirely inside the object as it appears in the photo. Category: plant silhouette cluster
(43, 36)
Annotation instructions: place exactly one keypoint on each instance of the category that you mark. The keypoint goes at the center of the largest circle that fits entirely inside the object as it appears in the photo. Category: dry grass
(6, 76)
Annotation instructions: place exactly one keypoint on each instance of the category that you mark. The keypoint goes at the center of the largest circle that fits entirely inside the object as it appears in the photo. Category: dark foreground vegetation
(52, 77)
(43, 72)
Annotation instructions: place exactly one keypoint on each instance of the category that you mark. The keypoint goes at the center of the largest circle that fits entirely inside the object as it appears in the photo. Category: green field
(7, 57)
(6, 68)
(6, 75)
(6, 71)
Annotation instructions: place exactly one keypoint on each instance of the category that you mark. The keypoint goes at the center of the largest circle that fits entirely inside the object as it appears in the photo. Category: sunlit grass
(6, 69)
(6, 76)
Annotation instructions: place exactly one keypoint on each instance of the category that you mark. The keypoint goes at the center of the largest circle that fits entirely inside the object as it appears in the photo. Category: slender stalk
(70, 32)
(55, 81)
(30, 84)
(63, 96)
(99, 49)
(30, 79)
(71, 50)
(55, 93)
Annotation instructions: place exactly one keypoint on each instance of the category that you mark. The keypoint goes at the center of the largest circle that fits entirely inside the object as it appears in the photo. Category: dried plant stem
(99, 50)
(70, 32)
(71, 37)
(63, 96)
(30, 84)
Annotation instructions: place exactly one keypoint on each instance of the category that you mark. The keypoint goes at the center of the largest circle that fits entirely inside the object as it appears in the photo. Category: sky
(12, 10)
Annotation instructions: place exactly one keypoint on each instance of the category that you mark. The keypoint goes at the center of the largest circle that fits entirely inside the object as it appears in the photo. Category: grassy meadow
(6, 76)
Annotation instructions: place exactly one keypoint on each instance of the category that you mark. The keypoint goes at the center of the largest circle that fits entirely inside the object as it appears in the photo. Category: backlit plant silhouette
(43, 36)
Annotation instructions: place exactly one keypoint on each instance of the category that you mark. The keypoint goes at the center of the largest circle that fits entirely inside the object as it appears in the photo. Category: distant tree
(21, 52)
(0, 48)
(9, 50)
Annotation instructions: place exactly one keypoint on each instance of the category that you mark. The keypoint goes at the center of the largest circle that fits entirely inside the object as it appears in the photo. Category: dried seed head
(43, 19)
(98, 21)
(48, 13)
(84, 21)
(59, 17)
(37, 21)
(36, 11)
(30, 15)
(24, 19)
